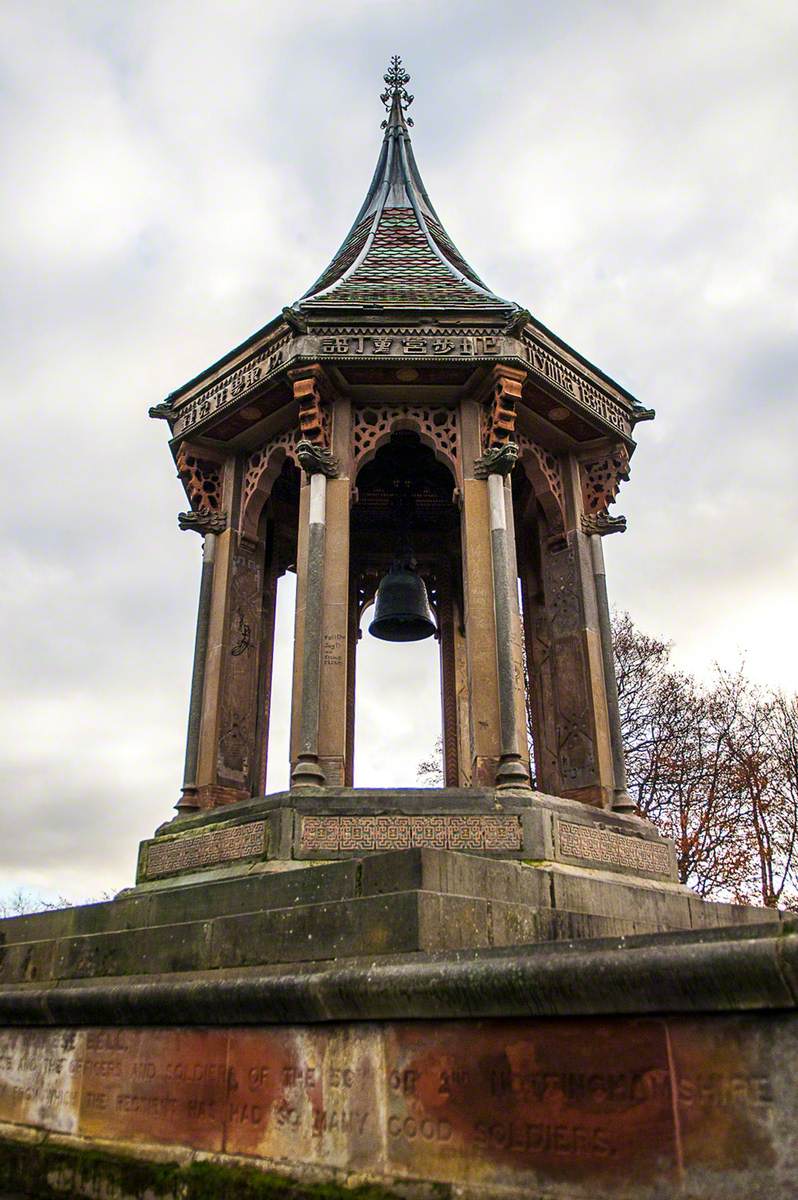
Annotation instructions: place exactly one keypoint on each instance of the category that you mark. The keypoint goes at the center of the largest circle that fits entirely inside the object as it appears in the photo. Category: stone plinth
(517, 999)
(336, 823)
(627, 1068)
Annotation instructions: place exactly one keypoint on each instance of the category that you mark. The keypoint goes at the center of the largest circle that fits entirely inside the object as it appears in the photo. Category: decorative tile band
(402, 832)
(617, 849)
(205, 850)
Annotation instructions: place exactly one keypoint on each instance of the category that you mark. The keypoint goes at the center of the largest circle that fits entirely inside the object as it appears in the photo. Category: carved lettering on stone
(230, 387)
(527, 1106)
(206, 849)
(616, 849)
(546, 364)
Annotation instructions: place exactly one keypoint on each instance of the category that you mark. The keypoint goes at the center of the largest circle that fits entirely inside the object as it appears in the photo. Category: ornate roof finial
(395, 93)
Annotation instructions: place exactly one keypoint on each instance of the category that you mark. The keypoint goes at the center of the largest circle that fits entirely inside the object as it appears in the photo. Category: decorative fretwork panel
(373, 424)
(201, 476)
(544, 470)
(262, 469)
(601, 480)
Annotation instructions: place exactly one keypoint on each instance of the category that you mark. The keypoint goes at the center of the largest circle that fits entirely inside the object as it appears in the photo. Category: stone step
(392, 923)
(634, 906)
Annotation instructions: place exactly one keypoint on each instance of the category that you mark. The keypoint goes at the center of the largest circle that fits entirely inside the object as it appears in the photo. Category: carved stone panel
(576, 756)
(601, 480)
(544, 471)
(238, 714)
(586, 843)
(201, 476)
(586, 1108)
(399, 832)
(205, 849)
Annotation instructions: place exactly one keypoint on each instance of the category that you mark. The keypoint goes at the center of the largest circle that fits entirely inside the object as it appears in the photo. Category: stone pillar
(449, 706)
(307, 770)
(537, 635)
(622, 801)
(512, 770)
(335, 614)
(269, 611)
(351, 676)
(318, 707)
(462, 696)
(209, 524)
(480, 620)
(584, 750)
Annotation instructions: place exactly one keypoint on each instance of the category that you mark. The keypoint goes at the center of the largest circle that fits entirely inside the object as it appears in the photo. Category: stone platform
(545, 1013)
(333, 823)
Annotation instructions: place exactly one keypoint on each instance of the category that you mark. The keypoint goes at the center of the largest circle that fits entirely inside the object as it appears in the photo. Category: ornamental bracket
(602, 523)
(499, 460)
(205, 521)
(316, 460)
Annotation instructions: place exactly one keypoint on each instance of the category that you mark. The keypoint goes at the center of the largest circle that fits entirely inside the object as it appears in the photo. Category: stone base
(402, 902)
(504, 1019)
(623, 1069)
(315, 825)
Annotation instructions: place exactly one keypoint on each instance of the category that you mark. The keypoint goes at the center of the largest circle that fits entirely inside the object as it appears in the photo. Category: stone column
(209, 525)
(307, 770)
(266, 663)
(479, 616)
(622, 801)
(335, 617)
(351, 677)
(451, 772)
(539, 659)
(512, 770)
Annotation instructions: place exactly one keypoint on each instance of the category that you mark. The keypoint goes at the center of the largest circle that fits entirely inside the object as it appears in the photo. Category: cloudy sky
(175, 172)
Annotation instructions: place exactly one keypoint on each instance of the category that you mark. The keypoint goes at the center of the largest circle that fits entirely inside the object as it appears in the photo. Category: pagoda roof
(397, 253)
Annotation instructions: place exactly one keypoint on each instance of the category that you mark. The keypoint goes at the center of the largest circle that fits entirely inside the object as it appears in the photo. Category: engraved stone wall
(205, 850)
(401, 832)
(616, 849)
(583, 1109)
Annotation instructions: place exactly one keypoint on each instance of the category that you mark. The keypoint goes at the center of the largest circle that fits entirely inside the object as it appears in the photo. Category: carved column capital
(202, 522)
(499, 460)
(316, 459)
(602, 523)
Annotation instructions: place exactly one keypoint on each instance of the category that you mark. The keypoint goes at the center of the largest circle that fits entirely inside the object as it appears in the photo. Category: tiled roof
(397, 253)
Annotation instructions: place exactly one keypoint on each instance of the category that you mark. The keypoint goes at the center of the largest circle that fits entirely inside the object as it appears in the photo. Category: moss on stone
(43, 1171)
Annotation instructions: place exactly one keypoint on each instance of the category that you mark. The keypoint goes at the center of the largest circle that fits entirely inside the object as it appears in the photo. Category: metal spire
(396, 97)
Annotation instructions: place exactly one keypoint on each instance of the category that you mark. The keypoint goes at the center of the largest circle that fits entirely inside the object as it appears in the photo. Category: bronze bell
(401, 610)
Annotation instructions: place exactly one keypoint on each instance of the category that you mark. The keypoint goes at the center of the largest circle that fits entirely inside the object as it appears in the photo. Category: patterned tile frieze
(206, 849)
(617, 849)
(400, 832)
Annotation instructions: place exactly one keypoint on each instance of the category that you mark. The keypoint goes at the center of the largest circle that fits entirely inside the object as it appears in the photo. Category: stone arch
(436, 426)
(544, 472)
(263, 467)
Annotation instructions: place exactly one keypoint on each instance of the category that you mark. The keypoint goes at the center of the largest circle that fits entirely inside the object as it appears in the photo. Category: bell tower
(402, 433)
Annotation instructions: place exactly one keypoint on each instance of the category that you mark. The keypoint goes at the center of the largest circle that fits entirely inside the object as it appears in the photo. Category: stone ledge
(719, 970)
